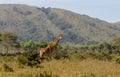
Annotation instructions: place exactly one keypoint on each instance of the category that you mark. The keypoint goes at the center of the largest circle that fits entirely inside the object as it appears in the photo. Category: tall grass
(66, 68)
(84, 61)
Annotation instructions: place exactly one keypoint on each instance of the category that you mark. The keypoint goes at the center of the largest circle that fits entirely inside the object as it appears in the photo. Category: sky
(107, 10)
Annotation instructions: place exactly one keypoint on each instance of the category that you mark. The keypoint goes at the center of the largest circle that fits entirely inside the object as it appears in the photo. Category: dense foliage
(29, 59)
(28, 53)
(8, 40)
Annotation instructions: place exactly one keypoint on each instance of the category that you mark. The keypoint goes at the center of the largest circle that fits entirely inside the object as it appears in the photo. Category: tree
(32, 46)
(28, 46)
(117, 40)
(42, 44)
(8, 40)
(0, 38)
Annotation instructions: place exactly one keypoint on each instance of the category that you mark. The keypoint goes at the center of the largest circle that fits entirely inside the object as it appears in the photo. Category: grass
(83, 68)
(65, 68)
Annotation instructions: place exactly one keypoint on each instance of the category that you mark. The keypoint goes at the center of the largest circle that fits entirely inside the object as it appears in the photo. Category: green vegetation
(29, 59)
(6, 68)
(8, 40)
(66, 61)
(32, 46)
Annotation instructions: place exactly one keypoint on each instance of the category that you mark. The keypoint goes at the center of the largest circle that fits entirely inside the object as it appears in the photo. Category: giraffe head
(60, 36)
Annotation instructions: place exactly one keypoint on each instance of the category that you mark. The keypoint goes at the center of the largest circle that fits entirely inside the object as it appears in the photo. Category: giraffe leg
(51, 53)
(42, 51)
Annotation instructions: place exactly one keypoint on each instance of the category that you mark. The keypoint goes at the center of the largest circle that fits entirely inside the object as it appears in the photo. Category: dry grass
(84, 68)
(67, 68)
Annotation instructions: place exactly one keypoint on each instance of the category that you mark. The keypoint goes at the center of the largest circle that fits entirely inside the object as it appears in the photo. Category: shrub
(47, 74)
(7, 68)
(22, 60)
(77, 56)
(7, 58)
(59, 55)
(100, 56)
(41, 74)
(117, 59)
(89, 75)
(29, 59)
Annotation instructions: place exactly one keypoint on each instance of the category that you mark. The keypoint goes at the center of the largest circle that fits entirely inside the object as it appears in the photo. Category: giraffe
(50, 46)
(43, 50)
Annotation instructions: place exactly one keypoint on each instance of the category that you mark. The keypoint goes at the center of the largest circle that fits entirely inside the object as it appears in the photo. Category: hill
(33, 23)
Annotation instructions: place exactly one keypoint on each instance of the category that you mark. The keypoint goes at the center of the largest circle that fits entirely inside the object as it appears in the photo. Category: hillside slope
(33, 23)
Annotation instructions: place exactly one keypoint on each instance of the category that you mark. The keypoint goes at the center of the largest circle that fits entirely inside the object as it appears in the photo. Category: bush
(7, 58)
(22, 60)
(117, 59)
(48, 74)
(100, 56)
(29, 59)
(40, 74)
(77, 56)
(60, 55)
(89, 75)
(7, 68)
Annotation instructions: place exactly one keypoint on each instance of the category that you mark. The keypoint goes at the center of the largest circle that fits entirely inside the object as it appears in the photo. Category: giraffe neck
(54, 43)
(57, 40)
